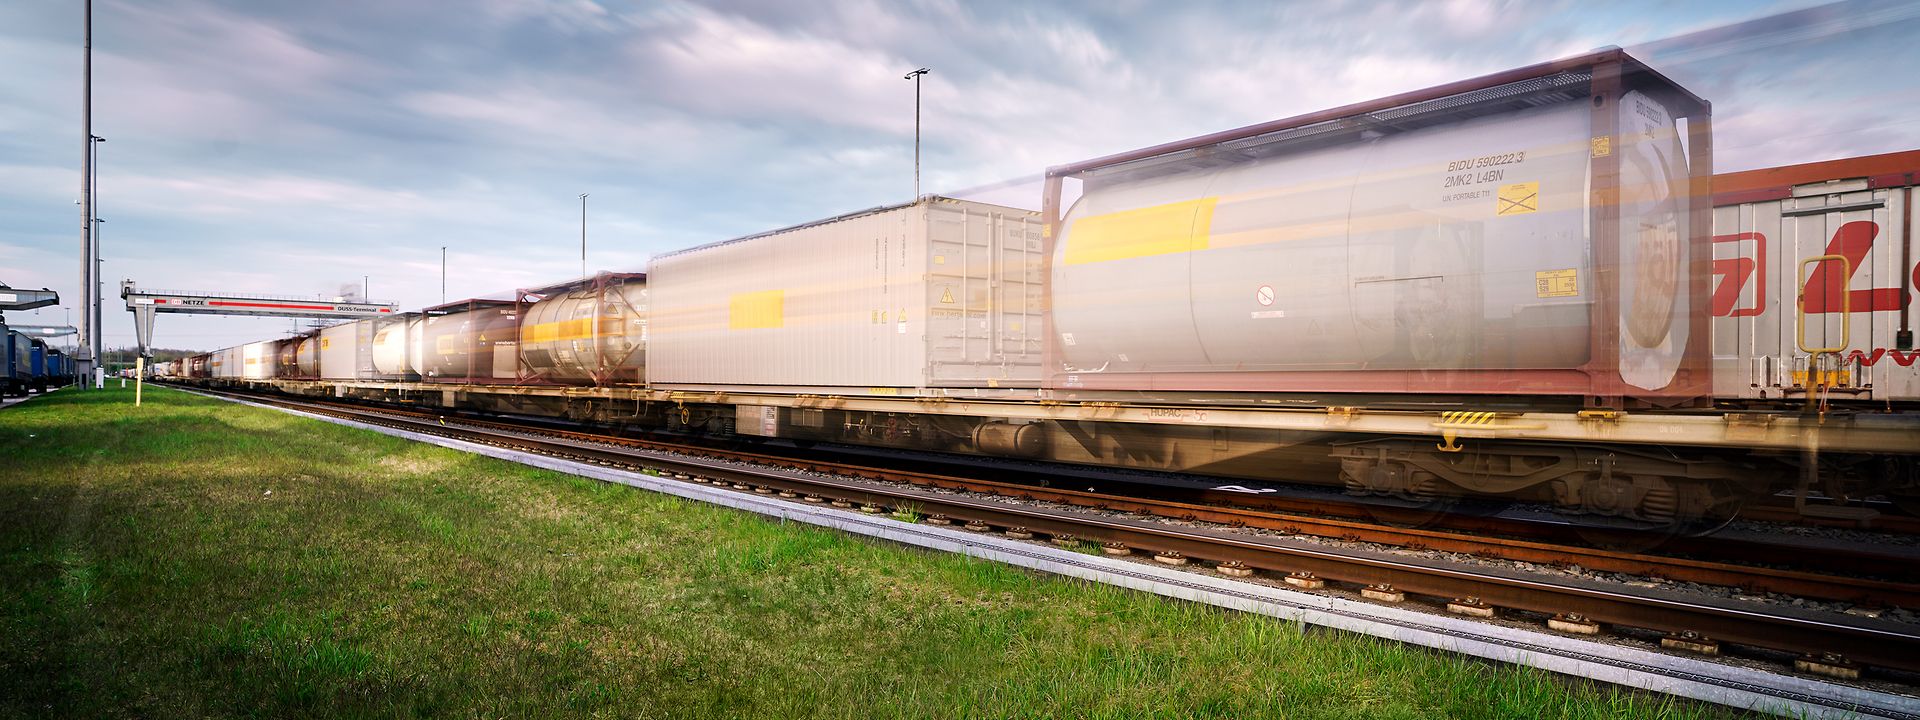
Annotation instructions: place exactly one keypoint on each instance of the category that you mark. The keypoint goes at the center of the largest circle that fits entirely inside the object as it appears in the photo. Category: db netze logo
(1827, 289)
(1829, 279)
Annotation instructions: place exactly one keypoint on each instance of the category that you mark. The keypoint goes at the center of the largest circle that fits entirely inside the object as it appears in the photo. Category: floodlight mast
(915, 77)
(84, 364)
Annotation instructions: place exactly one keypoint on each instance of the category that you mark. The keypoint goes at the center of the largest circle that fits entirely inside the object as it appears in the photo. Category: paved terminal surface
(12, 401)
(1712, 682)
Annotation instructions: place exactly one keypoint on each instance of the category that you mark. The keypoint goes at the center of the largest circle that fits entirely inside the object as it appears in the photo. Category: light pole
(85, 362)
(366, 288)
(915, 77)
(443, 274)
(583, 234)
(99, 281)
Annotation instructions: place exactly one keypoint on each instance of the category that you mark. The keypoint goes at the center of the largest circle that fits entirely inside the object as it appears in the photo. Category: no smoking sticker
(1264, 295)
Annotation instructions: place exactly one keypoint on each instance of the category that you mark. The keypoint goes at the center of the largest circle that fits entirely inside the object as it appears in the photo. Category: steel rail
(1849, 575)
(1862, 640)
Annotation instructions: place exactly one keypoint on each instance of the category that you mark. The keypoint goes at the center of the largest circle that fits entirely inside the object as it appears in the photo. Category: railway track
(1859, 575)
(1220, 537)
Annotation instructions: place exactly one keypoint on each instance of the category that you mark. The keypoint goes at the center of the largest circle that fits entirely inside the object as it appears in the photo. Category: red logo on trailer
(1867, 359)
(1734, 273)
(1829, 278)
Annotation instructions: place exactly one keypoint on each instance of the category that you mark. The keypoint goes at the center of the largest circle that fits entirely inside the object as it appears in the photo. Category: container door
(983, 297)
(1746, 304)
(1843, 278)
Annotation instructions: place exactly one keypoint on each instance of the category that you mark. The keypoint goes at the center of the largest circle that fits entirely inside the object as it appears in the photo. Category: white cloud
(730, 66)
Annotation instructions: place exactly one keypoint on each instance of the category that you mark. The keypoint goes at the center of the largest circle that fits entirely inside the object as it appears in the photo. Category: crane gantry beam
(18, 299)
(144, 303)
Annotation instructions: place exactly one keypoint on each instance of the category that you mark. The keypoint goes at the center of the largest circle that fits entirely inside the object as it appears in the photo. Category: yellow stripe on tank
(764, 309)
(1141, 232)
(559, 331)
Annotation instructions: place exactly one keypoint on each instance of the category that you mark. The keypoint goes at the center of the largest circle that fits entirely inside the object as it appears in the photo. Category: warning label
(1556, 283)
(1517, 199)
(946, 296)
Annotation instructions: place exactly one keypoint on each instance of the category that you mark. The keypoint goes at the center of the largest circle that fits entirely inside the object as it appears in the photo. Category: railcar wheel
(1693, 509)
(1908, 503)
(1625, 536)
(1411, 514)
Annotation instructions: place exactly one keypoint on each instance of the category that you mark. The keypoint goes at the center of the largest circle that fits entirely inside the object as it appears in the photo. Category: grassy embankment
(194, 558)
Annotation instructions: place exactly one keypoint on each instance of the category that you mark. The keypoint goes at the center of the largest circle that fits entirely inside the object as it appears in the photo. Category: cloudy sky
(293, 147)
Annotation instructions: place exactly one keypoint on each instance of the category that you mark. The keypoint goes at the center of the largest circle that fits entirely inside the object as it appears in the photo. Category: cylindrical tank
(416, 345)
(477, 344)
(391, 345)
(307, 357)
(593, 335)
(285, 362)
(295, 358)
(1461, 245)
(1001, 438)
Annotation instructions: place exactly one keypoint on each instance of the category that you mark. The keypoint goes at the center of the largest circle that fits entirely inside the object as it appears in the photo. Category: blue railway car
(18, 374)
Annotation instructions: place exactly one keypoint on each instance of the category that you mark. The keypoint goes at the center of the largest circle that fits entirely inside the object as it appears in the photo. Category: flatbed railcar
(1528, 285)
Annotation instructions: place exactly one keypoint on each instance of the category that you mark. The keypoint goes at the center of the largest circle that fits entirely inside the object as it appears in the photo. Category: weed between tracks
(196, 558)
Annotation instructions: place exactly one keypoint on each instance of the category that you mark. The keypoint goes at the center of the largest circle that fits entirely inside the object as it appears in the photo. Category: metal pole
(915, 77)
(916, 136)
(99, 271)
(85, 361)
(73, 350)
(366, 288)
(583, 234)
(443, 274)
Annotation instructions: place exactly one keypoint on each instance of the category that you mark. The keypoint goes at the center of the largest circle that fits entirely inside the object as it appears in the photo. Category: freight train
(29, 364)
(1526, 286)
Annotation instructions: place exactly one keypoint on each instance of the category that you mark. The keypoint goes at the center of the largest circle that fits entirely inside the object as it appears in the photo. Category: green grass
(194, 558)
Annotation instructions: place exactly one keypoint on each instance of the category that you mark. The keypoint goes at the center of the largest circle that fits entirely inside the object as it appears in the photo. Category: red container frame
(524, 300)
(474, 305)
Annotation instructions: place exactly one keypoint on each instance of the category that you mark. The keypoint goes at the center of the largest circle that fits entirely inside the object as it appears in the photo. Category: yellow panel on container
(1826, 378)
(764, 309)
(1556, 283)
(1157, 230)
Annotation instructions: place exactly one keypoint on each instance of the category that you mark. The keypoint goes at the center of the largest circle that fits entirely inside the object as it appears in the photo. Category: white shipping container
(256, 360)
(226, 363)
(940, 293)
(340, 351)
